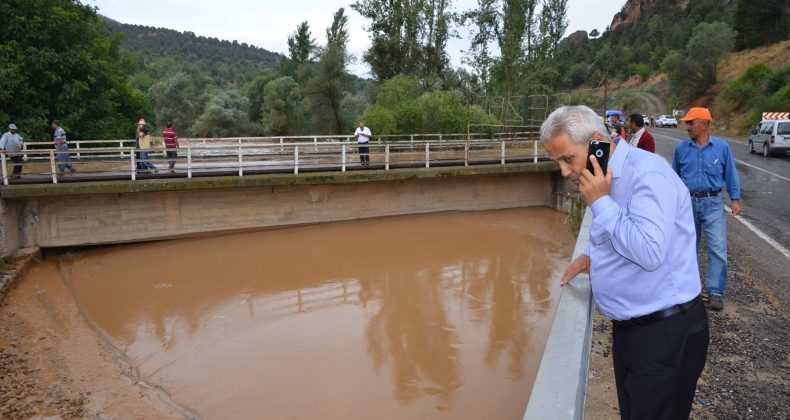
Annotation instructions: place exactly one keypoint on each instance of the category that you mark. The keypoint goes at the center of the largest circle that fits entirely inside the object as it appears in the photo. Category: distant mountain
(228, 61)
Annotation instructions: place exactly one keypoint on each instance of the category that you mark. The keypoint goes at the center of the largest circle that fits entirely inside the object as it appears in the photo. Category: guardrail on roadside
(560, 388)
(256, 157)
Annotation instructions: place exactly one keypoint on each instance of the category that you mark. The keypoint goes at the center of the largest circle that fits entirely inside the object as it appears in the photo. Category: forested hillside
(223, 62)
(63, 61)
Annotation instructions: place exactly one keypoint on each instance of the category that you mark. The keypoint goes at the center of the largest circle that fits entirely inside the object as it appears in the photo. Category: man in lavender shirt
(642, 261)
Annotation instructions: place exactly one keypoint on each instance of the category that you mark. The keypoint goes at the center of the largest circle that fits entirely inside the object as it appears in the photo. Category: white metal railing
(242, 157)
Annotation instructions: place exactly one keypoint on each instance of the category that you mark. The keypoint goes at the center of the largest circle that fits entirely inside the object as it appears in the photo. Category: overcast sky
(267, 23)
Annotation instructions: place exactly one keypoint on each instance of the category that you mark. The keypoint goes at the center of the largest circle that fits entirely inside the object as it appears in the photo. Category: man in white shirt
(11, 142)
(363, 135)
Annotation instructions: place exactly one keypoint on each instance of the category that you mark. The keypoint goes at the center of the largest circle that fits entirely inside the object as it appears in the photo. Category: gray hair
(578, 122)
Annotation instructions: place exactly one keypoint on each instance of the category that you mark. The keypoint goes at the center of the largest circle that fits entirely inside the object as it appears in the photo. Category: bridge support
(77, 214)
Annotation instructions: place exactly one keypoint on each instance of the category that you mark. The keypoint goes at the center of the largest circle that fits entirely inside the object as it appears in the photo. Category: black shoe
(716, 302)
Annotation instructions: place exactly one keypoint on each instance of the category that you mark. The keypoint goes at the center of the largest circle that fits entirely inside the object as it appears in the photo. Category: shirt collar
(617, 160)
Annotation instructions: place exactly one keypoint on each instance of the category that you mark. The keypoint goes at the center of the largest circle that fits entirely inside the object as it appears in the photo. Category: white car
(666, 121)
(773, 136)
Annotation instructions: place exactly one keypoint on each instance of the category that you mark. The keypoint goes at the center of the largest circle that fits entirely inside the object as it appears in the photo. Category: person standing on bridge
(62, 148)
(705, 163)
(143, 137)
(642, 264)
(11, 142)
(171, 144)
(641, 138)
(363, 135)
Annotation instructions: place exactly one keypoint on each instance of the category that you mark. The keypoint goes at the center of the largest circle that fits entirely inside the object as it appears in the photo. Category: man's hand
(594, 186)
(580, 265)
(736, 207)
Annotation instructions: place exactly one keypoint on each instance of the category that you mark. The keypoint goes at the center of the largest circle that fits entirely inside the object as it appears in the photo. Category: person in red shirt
(641, 138)
(171, 144)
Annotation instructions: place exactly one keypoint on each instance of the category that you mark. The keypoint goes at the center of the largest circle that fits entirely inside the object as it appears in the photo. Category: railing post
(343, 158)
(315, 143)
(52, 167)
(466, 154)
(387, 157)
(78, 149)
(5, 167)
(411, 139)
(241, 167)
(296, 159)
(133, 163)
(24, 151)
(189, 161)
(503, 152)
(281, 145)
(427, 155)
(535, 152)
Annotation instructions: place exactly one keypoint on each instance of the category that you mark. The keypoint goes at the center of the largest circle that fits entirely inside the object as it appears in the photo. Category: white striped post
(52, 167)
(134, 165)
(427, 155)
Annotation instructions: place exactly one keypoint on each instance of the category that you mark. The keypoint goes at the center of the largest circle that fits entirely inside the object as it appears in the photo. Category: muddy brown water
(426, 316)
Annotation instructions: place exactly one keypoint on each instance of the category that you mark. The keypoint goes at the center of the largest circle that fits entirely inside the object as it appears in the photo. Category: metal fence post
(296, 159)
(503, 152)
(387, 157)
(241, 168)
(78, 149)
(189, 161)
(52, 166)
(343, 158)
(134, 165)
(5, 168)
(427, 155)
(535, 157)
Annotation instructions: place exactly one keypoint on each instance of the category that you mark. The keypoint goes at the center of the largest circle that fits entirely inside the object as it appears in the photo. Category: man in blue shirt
(705, 164)
(642, 264)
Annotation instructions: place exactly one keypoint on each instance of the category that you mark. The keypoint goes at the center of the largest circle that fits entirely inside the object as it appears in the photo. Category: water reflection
(440, 314)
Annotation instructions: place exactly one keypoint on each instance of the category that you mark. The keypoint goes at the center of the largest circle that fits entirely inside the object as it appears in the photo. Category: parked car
(773, 136)
(666, 121)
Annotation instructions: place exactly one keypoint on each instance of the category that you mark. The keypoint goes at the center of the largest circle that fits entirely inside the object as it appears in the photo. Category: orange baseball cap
(697, 113)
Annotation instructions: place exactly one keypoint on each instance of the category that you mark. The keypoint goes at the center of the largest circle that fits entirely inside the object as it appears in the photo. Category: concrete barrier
(77, 214)
(560, 387)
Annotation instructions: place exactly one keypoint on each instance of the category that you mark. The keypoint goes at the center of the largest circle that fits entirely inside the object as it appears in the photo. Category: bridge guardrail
(252, 156)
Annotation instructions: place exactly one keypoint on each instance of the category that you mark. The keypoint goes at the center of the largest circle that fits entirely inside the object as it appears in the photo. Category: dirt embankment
(41, 373)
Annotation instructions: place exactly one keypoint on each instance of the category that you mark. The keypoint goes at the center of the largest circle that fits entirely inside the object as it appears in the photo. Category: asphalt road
(760, 236)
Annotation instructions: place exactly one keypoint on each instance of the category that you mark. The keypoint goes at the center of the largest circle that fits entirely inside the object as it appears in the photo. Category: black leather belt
(703, 194)
(659, 315)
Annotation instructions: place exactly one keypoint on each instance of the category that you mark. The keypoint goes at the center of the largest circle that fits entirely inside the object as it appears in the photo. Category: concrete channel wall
(85, 213)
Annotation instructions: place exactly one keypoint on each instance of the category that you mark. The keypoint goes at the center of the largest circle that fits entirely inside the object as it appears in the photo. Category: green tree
(226, 115)
(282, 107)
(407, 37)
(693, 71)
(58, 62)
(254, 91)
(176, 101)
(761, 22)
(327, 89)
(302, 51)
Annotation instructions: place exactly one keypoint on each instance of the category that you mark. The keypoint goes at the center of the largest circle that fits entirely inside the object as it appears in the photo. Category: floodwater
(426, 316)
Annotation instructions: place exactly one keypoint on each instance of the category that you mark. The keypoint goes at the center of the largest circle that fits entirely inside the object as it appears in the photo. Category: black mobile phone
(599, 149)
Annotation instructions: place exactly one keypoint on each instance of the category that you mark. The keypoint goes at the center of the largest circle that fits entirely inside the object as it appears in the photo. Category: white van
(773, 136)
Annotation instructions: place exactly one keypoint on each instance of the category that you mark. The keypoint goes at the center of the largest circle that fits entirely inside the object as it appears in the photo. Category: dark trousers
(17, 160)
(172, 155)
(364, 153)
(656, 366)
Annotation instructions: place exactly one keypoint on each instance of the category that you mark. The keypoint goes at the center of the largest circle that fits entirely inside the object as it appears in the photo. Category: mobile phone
(599, 149)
